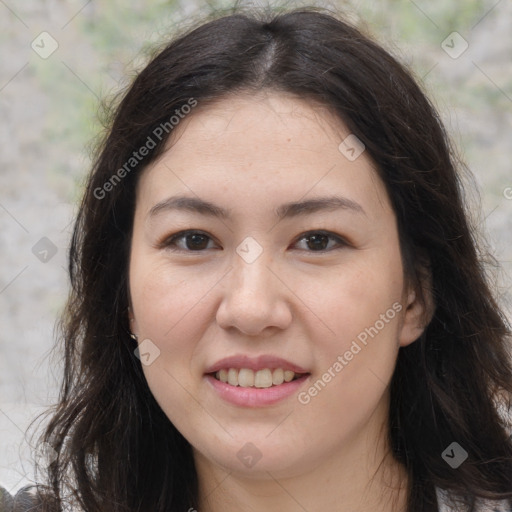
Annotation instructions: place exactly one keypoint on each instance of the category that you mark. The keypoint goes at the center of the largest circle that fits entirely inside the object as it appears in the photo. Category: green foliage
(116, 38)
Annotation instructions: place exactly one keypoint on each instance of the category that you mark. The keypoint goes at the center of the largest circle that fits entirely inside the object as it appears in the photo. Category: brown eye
(187, 241)
(318, 241)
(196, 242)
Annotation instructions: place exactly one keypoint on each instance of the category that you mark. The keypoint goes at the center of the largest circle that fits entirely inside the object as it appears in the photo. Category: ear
(132, 322)
(419, 309)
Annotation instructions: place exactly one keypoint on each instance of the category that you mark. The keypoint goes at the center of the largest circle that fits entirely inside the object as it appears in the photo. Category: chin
(254, 463)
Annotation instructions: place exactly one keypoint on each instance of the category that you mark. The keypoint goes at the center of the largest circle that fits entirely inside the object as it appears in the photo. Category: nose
(254, 300)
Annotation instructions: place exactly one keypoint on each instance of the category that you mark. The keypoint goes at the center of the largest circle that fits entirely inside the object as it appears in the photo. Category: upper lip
(254, 363)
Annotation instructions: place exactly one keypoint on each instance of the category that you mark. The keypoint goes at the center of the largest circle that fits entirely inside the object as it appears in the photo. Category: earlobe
(133, 324)
(418, 313)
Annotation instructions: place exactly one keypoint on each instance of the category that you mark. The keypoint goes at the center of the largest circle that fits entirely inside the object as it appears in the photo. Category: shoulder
(495, 506)
(27, 499)
(481, 506)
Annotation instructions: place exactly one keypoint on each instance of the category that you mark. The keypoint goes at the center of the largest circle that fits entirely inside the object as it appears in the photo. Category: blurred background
(60, 58)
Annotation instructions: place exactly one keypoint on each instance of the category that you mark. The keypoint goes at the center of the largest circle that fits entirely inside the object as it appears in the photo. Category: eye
(197, 241)
(190, 240)
(319, 241)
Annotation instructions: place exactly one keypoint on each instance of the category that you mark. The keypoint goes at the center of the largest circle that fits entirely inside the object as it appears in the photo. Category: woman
(277, 301)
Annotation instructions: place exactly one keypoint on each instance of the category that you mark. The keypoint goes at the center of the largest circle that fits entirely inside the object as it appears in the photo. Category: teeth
(262, 378)
(288, 375)
(277, 377)
(233, 377)
(245, 377)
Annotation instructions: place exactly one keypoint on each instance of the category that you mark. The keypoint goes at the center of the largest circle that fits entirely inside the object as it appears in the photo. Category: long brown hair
(116, 449)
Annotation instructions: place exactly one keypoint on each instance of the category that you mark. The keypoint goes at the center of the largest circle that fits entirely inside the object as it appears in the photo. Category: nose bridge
(250, 264)
(253, 299)
(252, 275)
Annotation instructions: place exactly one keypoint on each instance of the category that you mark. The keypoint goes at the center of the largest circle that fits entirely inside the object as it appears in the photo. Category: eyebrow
(287, 210)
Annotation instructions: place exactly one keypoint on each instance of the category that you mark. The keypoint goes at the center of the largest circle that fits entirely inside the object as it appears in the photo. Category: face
(257, 237)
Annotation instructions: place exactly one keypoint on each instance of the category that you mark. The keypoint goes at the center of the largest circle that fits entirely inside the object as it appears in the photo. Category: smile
(264, 378)
(252, 396)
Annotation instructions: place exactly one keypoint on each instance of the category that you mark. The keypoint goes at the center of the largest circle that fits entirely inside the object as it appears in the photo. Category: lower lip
(255, 397)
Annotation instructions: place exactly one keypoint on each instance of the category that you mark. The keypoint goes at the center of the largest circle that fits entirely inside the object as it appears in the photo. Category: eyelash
(169, 242)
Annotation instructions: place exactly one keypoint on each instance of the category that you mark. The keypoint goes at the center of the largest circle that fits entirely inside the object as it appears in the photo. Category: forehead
(260, 147)
(277, 121)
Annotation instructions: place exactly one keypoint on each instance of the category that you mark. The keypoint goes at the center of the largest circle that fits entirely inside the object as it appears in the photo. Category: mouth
(248, 378)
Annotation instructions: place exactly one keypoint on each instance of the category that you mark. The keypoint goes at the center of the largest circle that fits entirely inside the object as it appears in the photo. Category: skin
(251, 154)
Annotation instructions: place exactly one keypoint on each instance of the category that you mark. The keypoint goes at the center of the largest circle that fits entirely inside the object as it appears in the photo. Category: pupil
(315, 242)
(318, 241)
(197, 241)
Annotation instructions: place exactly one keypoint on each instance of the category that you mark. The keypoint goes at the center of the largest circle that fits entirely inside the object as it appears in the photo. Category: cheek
(362, 308)
(355, 298)
(168, 305)
(165, 298)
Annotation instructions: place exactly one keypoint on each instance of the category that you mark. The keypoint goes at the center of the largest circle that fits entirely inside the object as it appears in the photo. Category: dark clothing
(25, 500)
